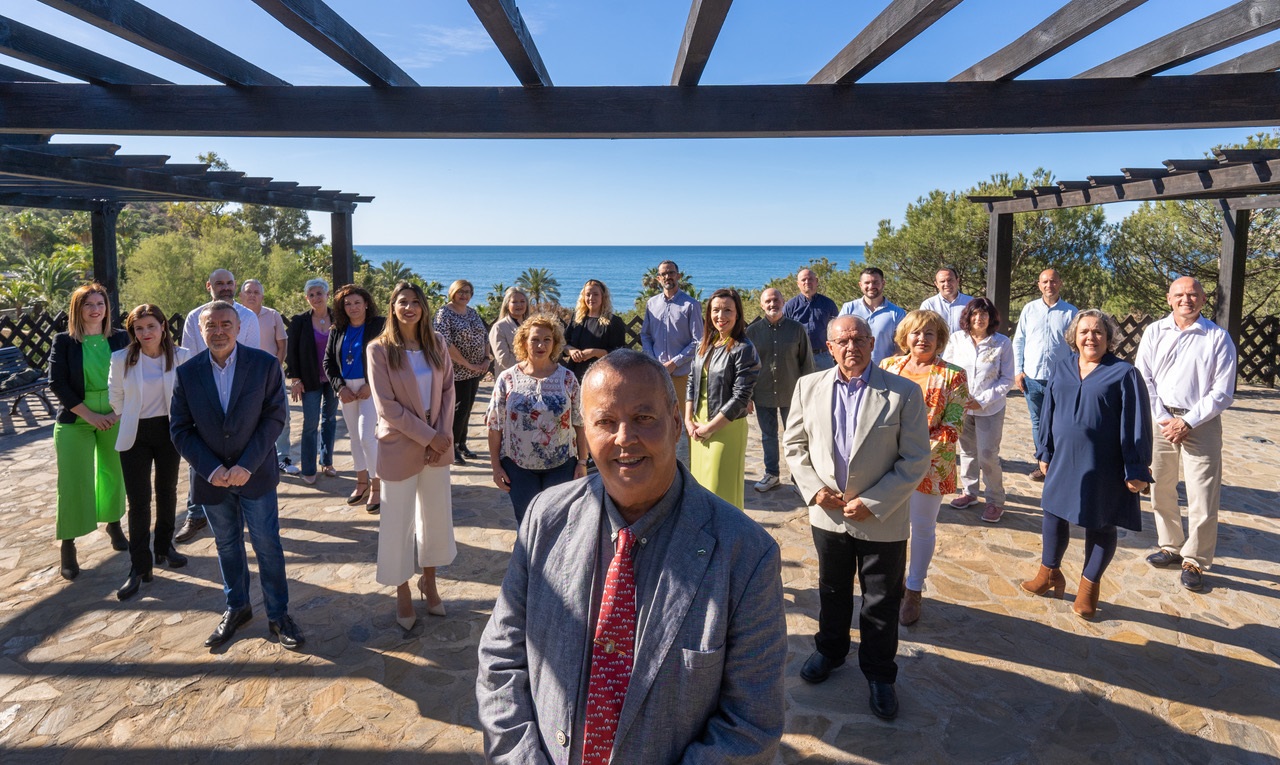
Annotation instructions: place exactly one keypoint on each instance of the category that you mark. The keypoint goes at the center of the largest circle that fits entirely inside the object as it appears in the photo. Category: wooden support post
(106, 266)
(1000, 264)
(344, 271)
(1228, 311)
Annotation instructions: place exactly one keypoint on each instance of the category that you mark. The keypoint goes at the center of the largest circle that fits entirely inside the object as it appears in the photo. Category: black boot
(118, 542)
(130, 585)
(70, 569)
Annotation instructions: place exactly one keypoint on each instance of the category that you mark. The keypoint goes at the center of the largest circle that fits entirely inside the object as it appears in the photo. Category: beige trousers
(1200, 456)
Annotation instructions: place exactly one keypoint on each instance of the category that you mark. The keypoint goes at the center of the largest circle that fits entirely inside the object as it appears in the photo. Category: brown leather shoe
(1046, 579)
(190, 528)
(1086, 604)
(909, 613)
(1037, 475)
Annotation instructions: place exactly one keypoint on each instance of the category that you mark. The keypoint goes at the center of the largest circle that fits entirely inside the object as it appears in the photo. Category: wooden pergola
(1127, 92)
(1241, 180)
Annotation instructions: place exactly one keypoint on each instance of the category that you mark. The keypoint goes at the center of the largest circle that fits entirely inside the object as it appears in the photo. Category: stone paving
(987, 675)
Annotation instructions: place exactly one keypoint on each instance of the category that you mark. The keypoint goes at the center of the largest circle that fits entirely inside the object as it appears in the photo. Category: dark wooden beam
(1269, 202)
(94, 150)
(1191, 165)
(1229, 309)
(1134, 173)
(43, 49)
(1068, 25)
(106, 259)
(1000, 263)
(897, 25)
(1246, 155)
(10, 74)
(1074, 185)
(135, 22)
(1254, 177)
(1106, 180)
(1237, 23)
(706, 17)
(720, 111)
(343, 248)
(1264, 59)
(46, 201)
(87, 172)
(502, 20)
(320, 25)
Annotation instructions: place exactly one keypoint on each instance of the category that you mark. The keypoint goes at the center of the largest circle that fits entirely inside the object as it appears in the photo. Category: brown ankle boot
(909, 613)
(1047, 579)
(1086, 599)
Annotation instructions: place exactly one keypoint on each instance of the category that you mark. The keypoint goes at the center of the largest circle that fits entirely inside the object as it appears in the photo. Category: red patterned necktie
(611, 654)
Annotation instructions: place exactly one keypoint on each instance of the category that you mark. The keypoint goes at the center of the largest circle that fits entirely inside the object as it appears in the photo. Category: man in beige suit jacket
(857, 444)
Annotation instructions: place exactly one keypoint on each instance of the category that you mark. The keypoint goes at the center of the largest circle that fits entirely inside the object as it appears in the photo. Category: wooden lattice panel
(1259, 351)
(1131, 328)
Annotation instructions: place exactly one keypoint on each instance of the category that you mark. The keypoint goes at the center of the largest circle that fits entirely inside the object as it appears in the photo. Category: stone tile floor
(988, 674)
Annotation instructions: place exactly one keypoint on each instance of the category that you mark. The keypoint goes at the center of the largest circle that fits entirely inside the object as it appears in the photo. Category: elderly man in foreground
(857, 443)
(641, 617)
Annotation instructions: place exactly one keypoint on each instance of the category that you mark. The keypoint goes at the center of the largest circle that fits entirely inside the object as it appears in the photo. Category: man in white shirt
(274, 340)
(880, 314)
(949, 301)
(1189, 366)
(221, 286)
(1041, 332)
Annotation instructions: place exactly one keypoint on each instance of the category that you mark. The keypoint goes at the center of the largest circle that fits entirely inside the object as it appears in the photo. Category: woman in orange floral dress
(921, 336)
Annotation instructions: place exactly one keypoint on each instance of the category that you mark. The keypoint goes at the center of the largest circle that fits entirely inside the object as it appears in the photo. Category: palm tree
(51, 278)
(539, 285)
(394, 272)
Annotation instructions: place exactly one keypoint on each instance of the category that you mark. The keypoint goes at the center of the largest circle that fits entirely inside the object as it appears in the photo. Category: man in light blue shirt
(671, 331)
(949, 301)
(1042, 328)
(880, 314)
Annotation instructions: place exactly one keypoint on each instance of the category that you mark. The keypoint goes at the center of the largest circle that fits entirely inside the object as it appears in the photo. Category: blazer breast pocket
(702, 659)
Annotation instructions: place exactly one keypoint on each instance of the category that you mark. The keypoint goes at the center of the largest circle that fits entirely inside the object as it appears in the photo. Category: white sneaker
(288, 468)
(767, 482)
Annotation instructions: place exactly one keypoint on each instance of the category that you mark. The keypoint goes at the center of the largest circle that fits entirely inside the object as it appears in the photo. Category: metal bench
(12, 362)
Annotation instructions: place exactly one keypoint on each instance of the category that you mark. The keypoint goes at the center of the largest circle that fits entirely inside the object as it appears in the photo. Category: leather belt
(1175, 411)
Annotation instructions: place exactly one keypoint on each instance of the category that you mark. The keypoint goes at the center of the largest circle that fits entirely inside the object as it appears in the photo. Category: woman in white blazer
(140, 386)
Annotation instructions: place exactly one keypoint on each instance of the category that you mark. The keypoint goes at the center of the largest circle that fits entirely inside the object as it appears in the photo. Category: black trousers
(881, 568)
(465, 390)
(151, 447)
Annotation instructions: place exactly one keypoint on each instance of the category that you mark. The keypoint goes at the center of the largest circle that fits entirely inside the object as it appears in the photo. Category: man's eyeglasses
(849, 342)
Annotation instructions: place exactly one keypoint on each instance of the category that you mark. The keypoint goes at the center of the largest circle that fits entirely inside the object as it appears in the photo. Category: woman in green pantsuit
(720, 384)
(90, 482)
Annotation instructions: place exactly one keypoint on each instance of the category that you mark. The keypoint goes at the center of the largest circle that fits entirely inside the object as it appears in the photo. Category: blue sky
(713, 191)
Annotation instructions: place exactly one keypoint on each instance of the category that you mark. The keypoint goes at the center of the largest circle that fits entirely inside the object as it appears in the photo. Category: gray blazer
(707, 684)
(889, 458)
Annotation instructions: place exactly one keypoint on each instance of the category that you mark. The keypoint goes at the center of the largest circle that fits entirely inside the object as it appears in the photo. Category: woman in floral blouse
(922, 335)
(536, 438)
(464, 331)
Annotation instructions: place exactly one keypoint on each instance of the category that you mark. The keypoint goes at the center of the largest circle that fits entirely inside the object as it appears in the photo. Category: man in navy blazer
(708, 639)
(227, 411)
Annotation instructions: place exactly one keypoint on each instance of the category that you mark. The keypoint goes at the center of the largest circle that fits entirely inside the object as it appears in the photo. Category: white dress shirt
(949, 311)
(151, 388)
(223, 377)
(249, 335)
(988, 365)
(1041, 329)
(1192, 369)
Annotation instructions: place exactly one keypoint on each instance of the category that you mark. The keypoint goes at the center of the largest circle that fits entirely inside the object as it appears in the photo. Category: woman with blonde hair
(463, 329)
(921, 336)
(514, 310)
(90, 480)
(594, 331)
(141, 387)
(411, 375)
(535, 418)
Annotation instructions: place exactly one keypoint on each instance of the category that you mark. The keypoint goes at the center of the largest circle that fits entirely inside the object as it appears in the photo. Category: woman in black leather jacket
(720, 384)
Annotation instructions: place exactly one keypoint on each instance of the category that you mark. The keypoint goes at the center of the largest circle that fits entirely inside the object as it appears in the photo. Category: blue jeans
(767, 416)
(227, 520)
(525, 484)
(314, 416)
(282, 443)
(1035, 400)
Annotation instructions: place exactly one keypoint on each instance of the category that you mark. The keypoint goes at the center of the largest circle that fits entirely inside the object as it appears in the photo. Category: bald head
(221, 285)
(807, 281)
(771, 303)
(1050, 285)
(1186, 299)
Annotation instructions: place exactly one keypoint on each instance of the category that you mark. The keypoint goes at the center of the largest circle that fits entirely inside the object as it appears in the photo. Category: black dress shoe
(1191, 577)
(287, 632)
(174, 558)
(468, 453)
(1163, 558)
(118, 541)
(232, 620)
(884, 700)
(190, 527)
(70, 568)
(818, 667)
(458, 459)
(130, 586)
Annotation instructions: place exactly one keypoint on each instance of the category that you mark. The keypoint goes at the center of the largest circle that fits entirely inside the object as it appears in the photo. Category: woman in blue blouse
(536, 438)
(355, 325)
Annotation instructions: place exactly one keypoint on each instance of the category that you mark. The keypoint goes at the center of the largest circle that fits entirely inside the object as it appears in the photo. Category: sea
(619, 267)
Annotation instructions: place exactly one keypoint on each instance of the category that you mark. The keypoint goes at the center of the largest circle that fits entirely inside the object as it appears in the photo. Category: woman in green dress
(719, 392)
(90, 482)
